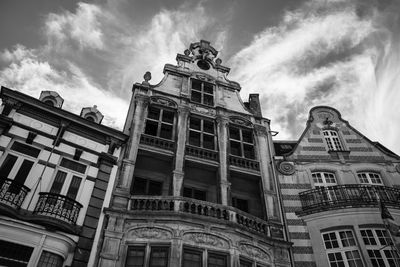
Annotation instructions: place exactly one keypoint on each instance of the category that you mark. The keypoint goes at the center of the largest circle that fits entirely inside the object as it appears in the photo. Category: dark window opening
(73, 165)
(16, 255)
(241, 142)
(241, 204)
(25, 149)
(192, 258)
(7, 166)
(195, 193)
(202, 92)
(201, 133)
(159, 257)
(216, 260)
(146, 187)
(48, 259)
(159, 123)
(135, 257)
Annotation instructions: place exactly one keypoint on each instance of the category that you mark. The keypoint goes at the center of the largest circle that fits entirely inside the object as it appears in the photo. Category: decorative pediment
(240, 121)
(150, 233)
(205, 239)
(163, 101)
(254, 252)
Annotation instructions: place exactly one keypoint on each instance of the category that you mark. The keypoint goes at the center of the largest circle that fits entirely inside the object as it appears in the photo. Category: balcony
(157, 142)
(206, 210)
(55, 206)
(244, 163)
(203, 153)
(350, 195)
(12, 194)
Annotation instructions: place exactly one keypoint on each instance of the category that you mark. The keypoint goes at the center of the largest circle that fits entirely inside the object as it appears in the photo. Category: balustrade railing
(350, 195)
(206, 209)
(157, 142)
(12, 193)
(58, 206)
(244, 163)
(202, 153)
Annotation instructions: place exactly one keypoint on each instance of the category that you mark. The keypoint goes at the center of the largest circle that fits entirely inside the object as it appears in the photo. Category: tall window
(146, 187)
(341, 249)
(194, 193)
(160, 123)
(321, 181)
(241, 142)
(158, 256)
(18, 163)
(194, 258)
(378, 244)
(369, 178)
(12, 254)
(48, 259)
(202, 133)
(332, 139)
(202, 92)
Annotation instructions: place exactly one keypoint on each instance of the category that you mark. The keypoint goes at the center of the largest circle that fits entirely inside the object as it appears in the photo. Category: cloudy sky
(295, 53)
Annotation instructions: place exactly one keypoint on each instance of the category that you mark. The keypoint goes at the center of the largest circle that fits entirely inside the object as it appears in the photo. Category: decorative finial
(187, 52)
(147, 77)
(95, 106)
(218, 61)
(328, 122)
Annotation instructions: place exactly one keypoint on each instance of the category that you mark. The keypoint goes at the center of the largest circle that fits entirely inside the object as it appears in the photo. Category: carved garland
(240, 121)
(163, 101)
(150, 233)
(206, 239)
(254, 252)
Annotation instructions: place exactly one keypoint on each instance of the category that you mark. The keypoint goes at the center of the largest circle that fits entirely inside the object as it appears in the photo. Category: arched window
(332, 140)
(370, 178)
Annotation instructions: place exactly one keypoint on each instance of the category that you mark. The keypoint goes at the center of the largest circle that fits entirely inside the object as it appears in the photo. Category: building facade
(196, 185)
(332, 181)
(55, 168)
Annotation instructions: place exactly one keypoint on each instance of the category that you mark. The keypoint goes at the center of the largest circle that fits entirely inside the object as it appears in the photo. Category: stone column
(268, 187)
(129, 159)
(178, 175)
(224, 184)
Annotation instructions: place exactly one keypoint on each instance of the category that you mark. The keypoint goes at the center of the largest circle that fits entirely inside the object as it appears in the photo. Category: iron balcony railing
(180, 205)
(58, 206)
(12, 193)
(349, 195)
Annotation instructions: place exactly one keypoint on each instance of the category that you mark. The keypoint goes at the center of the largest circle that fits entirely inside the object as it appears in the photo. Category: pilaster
(224, 184)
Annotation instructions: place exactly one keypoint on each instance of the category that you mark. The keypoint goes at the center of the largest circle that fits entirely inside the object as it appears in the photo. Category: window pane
(215, 260)
(48, 259)
(23, 171)
(151, 128)
(187, 192)
(74, 187)
(159, 257)
(12, 254)
(58, 182)
(196, 85)
(139, 186)
(234, 133)
(168, 116)
(235, 148)
(241, 204)
(199, 194)
(25, 149)
(247, 136)
(196, 97)
(208, 127)
(208, 141)
(7, 166)
(194, 138)
(73, 165)
(155, 188)
(248, 151)
(192, 259)
(208, 88)
(208, 100)
(135, 257)
(166, 131)
(154, 113)
(195, 124)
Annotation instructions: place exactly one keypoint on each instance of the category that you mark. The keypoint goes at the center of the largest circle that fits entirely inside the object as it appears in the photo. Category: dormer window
(202, 92)
(332, 140)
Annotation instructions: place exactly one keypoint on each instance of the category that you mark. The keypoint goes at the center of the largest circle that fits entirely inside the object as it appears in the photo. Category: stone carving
(204, 77)
(240, 121)
(325, 115)
(150, 233)
(254, 252)
(286, 168)
(398, 168)
(206, 239)
(163, 101)
(204, 110)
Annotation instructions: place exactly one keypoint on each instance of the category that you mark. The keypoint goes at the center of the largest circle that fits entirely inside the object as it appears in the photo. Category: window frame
(241, 142)
(202, 133)
(205, 254)
(160, 121)
(202, 92)
(368, 175)
(148, 249)
(333, 140)
(148, 181)
(51, 254)
(193, 190)
(235, 204)
(341, 248)
(379, 247)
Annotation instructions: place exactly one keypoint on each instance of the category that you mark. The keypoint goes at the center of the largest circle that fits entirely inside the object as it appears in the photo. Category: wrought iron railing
(58, 206)
(176, 205)
(349, 195)
(244, 163)
(201, 153)
(157, 142)
(12, 193)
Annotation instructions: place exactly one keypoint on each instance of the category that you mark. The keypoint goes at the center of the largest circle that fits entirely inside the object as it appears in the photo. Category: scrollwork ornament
(206, 239)
(150, 233)
(254, 252)
(286, 168)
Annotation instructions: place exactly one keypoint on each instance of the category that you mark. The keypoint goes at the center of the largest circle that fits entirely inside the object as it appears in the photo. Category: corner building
(196, 186)
(331, 181)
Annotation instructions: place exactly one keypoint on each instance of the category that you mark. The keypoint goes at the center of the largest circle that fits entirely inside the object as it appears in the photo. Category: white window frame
(68, 179)
(323, 179)
(380, 245)
(343, 247)
(332, 140)
(367, 177)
